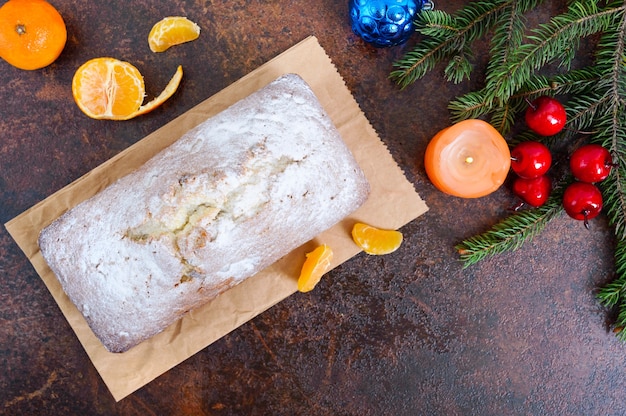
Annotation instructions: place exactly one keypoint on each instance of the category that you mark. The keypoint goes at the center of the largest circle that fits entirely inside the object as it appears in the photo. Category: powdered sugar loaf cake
(226, 200)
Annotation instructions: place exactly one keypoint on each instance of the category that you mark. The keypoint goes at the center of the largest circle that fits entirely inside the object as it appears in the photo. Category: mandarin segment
(316, 264)
(374, 240)
(171, 31)
(32, 33)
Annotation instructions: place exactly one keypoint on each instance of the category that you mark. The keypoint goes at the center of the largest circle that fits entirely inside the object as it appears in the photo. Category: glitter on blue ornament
(386, 22)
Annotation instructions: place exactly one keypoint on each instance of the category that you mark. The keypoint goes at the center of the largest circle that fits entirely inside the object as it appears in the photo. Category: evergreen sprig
(510, 233)
(556, 41)
(448, 37)
(525, 63)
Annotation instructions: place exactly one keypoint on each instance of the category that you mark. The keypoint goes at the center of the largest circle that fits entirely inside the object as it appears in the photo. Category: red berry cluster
(589, 164)
(530, 161)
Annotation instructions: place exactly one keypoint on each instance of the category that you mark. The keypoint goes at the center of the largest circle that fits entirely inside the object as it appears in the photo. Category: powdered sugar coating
(226, 200)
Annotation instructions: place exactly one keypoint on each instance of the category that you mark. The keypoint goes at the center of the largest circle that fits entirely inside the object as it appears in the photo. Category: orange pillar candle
(469, 159)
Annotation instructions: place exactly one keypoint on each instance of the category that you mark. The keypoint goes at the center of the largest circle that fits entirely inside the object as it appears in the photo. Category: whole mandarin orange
(32, 33)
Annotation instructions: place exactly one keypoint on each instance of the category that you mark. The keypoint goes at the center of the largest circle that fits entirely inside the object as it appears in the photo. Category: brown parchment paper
(393, 203)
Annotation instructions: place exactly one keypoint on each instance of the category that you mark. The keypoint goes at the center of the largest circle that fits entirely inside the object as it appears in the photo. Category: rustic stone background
(404, 334)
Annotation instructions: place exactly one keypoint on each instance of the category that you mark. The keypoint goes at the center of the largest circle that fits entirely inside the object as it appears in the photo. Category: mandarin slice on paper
(110, 89)
(32, 33)
(171, 31)
(375, 240)
(316, 264)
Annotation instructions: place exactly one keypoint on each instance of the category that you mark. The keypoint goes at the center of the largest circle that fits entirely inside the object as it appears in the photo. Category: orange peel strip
(169, 90)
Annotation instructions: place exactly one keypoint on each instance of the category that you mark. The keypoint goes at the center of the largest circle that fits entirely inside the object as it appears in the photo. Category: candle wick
(469, 160)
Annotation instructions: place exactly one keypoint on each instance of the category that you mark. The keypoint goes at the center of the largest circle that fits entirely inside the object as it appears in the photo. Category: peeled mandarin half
(374, 240)
(110, 89)
(171, 31)
(316, 264)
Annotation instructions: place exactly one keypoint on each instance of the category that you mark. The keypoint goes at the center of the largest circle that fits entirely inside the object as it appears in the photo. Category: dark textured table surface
(404, 334)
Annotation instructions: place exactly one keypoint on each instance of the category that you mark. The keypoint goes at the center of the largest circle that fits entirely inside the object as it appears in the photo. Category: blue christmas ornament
(385, 22)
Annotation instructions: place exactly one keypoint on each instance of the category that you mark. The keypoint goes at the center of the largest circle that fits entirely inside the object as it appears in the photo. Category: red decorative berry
(582, 201)
(534, 191)
(546, 116)
(591, 163)
(530, 159)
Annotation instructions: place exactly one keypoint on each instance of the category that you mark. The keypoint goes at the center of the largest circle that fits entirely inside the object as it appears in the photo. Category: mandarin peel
(170, 89)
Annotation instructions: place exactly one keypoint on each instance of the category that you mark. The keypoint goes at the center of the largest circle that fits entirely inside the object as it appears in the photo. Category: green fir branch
(516, 71)
(611, 294)
(503, 117)
(620, 322)
(576, 81)
(611, 123)
(479, 17)
(420, 61)
(508, 37)
(470, 105)
(583, 111)
(458, 69)
(550, 42)
(438, 24)
(447, 37)
(477, 104)
(510, 233)
(613, 191)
